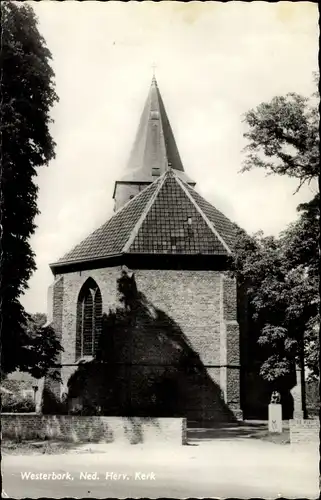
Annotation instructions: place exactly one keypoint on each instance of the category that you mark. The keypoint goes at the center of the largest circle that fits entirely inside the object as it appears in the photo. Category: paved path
(242, 469)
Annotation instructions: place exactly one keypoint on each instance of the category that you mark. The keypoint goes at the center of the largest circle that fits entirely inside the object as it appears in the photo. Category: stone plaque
(275, 418)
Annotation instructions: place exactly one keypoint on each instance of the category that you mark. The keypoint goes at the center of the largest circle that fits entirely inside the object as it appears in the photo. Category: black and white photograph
(160, 227)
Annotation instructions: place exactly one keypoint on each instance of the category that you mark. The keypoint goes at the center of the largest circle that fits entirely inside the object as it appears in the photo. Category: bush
(14, 405)
(51, 405)
(313, 398)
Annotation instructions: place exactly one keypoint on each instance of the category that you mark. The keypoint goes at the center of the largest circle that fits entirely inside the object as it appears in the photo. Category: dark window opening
(89, 316)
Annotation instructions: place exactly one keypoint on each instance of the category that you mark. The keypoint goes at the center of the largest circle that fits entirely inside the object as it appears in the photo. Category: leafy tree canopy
(283, 137)
(282, 284)
(27, 97)
(282, 274)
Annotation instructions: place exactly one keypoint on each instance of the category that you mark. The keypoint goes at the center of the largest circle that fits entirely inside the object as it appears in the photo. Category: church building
(176, 247)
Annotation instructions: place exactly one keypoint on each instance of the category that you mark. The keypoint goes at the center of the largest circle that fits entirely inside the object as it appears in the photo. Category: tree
(259, 266)
(284, 303)
(282, 274)
(284, 137)
(41, 346)
(36, 321)
(27, 97)
(300, 244)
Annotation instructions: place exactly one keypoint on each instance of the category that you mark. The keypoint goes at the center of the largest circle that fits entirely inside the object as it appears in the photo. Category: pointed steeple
(154, 150)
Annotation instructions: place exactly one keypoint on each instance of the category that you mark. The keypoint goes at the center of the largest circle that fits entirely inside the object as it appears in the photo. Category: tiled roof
(111, 237)
(174, 225)
(167, 217)
(226, 228)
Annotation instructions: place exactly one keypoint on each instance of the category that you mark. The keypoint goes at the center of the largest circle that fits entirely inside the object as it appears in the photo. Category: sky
(214, 61)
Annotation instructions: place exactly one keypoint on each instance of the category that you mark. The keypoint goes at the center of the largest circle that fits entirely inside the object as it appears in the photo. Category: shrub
(313, 398)
(50, 404)
(15, 405)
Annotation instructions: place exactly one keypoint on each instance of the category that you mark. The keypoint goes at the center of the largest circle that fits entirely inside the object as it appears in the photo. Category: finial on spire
(154, 66)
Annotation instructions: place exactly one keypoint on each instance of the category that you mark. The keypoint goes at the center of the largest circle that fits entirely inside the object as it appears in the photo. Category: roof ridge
(198, 208)
(121, 209)
(141, 219)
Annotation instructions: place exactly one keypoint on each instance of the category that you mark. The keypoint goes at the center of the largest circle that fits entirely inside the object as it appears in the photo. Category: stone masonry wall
(73, 428)
(303, 431)
(201, 303)
(230, 346)
(190, 298)
(124, 192)
(55, 316)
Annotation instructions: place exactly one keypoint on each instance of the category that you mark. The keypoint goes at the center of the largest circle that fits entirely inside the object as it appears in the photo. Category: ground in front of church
(217, 466)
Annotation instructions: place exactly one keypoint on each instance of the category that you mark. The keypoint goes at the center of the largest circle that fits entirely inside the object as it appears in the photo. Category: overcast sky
(214, 62)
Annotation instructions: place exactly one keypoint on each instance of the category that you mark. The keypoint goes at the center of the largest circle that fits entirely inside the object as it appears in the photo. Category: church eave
(146, 261)
(66, 265)
(150, 225)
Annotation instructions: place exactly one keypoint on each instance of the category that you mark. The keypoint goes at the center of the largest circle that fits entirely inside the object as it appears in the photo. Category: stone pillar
(275, 418)
(230, 347)
(298, 395)
(40, 384)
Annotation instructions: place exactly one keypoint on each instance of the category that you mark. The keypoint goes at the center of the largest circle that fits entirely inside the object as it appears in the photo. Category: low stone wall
(304, 431)
(74, 428)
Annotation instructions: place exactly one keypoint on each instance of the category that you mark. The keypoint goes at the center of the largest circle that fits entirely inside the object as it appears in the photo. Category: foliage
(284, 137)
(282, 274)
(50, 404)
(258, 266)
(37, 321)
(41, 346)
(282, 286)
(313, 398)
(17, 405)
(301, 255)
(27, 97)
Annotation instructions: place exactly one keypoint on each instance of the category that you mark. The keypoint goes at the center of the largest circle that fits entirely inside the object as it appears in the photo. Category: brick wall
(303, 431)
(230, 346)
(124, 192)
(106, 280)
(190, 298)
(200, 303)
(94, 429)
(55, 316)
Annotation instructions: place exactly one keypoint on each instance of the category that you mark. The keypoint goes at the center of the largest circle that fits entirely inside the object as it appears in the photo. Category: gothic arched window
(89, 315)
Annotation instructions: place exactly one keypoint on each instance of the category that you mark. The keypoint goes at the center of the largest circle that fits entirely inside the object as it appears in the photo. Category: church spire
(154, 68)
(154, 149)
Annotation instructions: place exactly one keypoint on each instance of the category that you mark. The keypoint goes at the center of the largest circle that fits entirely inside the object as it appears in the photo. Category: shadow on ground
(238, 430)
